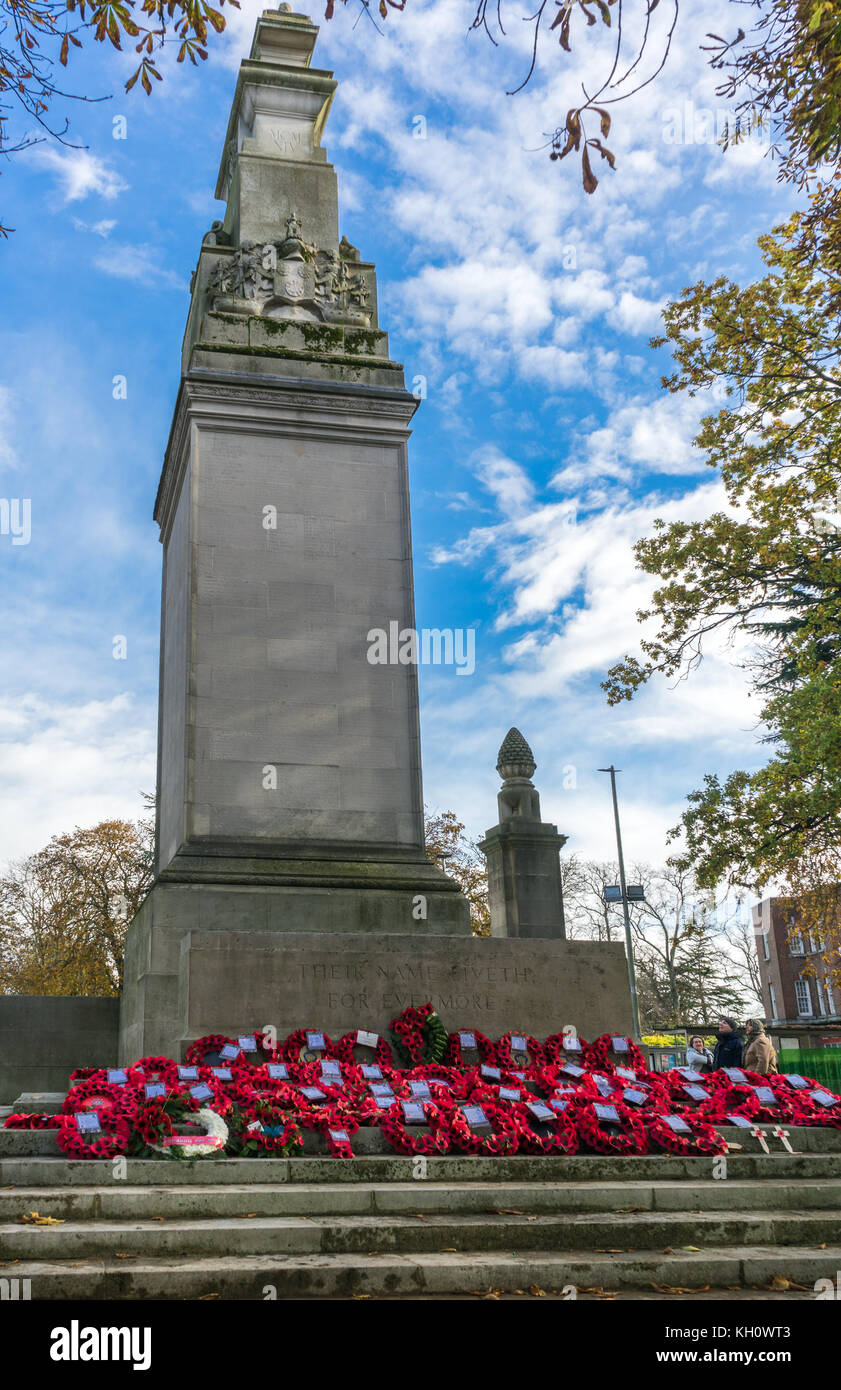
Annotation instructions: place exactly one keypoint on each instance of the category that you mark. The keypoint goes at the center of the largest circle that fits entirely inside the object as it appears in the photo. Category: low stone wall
(43, 1037)
(336, 981)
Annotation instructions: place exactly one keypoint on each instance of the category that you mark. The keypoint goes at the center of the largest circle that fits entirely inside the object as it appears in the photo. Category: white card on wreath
(365, 1039)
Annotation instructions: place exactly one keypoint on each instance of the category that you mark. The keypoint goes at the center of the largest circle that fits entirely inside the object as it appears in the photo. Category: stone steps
(122, 1201)
(434, 1232)
(61, 1172)
(387, 1227)
(370, 1142)
(345, 1276)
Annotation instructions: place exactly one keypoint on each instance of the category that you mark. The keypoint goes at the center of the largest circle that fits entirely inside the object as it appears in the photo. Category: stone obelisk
(289, 780)
(292, 885)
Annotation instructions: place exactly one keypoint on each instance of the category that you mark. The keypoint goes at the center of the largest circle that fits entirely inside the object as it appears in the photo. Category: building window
(820, 1010)
(804, 998)
(766, 949)
(830, 997)
(795, 944)
(773, 997)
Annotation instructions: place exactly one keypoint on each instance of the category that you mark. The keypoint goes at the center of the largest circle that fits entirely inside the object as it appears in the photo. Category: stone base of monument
(225, 981)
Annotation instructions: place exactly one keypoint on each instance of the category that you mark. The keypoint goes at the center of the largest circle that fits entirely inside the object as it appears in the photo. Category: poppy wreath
(331, 1119)
(154, 1120)
(24, 1121)
(809, 1112)
(99, 1075)
(556, 1052)
(249, 1061)
(358, 1084)
(293, 1049)
(382, 1055)
(105, 1099)
(599, 1055)
(264, 1129)
(418, 1035)
(633, 1138)
(784, 1110)
(453, 1054)
(703, 1139)
(399, 1137)
(505, 1057)
(157, 1069)
(114, 1139)
(85, 1074)
(205, 1047)
(673, 1083)
(445, 1083)
(247, 1093)
(502, 1140)
(259, 1076)
(730, 1100)
(561, 1135)
(210, 1145)
(368, 1112)
(311, 1075)
(308, 1112)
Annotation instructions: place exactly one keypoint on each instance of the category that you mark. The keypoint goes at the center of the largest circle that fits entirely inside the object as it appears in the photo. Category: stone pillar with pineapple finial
(524, 871)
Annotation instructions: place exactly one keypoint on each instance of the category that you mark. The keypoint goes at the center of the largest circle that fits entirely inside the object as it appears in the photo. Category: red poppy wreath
(628, 1137)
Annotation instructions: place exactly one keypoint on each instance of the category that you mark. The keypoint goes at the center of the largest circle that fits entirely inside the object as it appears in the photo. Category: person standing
(728, 1048)
(759, 1054)
(698, 1055)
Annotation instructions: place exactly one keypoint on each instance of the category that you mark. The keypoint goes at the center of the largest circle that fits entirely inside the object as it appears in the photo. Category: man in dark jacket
(728, 1049)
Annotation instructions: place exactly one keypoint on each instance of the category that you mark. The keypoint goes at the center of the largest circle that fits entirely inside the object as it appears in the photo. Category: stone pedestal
(339, 982)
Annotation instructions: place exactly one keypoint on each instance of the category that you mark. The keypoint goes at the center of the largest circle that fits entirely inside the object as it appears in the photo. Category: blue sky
(544, 448)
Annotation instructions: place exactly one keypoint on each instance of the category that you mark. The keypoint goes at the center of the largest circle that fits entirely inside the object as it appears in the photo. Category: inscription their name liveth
(352, 980)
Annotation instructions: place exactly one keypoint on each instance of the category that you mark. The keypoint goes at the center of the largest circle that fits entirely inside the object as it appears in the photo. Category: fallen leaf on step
(448, 1250)
(32, 1218)
(667, 1250)
(818, 1247)
(121, 1255)
(206, 1297)
(505, 1211)
(359, 1296)
(419, 1215)
(610, 1250)
(157, 1218)
(606, 1297)
(695, 1248)
(669, 1288)
(624, 1210)
(536, 1291)
(244, 1216)
(779, 1283)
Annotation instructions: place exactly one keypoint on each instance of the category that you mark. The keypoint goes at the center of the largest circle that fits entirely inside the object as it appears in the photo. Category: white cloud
(78, 173)
(103, 228)
(141, 262)
(69, 764)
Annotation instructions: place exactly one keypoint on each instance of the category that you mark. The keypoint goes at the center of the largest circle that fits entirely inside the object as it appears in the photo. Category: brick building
(800, 990)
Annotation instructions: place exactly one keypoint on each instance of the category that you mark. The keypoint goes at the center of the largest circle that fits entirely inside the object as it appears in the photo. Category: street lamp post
(632, 978)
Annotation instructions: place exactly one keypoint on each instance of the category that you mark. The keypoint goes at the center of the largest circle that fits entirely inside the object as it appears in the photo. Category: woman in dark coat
(728, 1049)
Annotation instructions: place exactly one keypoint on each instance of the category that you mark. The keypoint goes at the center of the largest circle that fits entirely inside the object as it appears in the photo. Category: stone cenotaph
(292, 886)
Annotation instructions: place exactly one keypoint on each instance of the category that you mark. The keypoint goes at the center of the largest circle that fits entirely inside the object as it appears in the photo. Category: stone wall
(43, 1037)
(231, 981)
